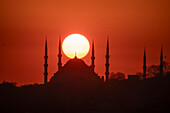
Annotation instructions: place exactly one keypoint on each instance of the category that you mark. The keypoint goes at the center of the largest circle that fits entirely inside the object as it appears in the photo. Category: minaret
(161, 63)
(92, 58)
(45, 64)
(59, 55)
(144, 65)
(107, 60)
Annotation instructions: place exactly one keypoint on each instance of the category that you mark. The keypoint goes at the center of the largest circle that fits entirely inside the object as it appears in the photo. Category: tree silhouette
(117, 76)
(8, 84)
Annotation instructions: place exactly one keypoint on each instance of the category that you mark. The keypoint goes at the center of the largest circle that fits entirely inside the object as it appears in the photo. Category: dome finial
(75, 55)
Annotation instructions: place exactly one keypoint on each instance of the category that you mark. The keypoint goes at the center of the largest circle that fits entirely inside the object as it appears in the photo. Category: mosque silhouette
(77, 70)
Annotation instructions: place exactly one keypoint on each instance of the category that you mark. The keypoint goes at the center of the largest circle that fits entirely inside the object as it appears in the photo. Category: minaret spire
(161, 62)
(92, 58)
(59, 54)
(107, 60)
(144, 64)
(45, 64)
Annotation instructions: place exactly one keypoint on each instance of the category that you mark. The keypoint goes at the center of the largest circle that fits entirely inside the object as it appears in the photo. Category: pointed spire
(144, 64)
(46, 47)
(45, 64)
(161, 62)
(108, 45)
(59, 44)
(59, 54)
(107, 60)
(92, 58)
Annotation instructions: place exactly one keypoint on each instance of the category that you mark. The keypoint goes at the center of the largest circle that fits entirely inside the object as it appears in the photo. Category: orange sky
(130, 24)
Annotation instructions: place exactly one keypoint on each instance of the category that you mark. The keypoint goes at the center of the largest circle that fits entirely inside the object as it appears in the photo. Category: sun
(75, 44)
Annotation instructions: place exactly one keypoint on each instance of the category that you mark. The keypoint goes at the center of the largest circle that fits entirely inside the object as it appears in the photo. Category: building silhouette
(92, 57)
(59, 55)
(133, 77)
(92, 66)
(107, 60)
(75, 70)
(144, 65)
(75, 73)
(161, 63)
(45, 64)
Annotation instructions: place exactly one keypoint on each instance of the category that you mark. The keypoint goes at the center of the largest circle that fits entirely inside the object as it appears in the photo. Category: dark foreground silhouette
(77, 89)
(125, 96)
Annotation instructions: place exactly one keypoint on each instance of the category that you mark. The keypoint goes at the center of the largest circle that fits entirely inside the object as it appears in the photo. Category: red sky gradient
(130, 24)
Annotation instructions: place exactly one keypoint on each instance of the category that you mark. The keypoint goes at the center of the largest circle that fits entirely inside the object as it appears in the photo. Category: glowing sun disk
(75, 44)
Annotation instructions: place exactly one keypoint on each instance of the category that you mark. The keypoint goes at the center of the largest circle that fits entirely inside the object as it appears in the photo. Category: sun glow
(75, 44)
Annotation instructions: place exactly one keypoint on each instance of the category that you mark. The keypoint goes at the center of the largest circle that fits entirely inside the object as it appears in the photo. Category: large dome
(75, 71)
(75, 64)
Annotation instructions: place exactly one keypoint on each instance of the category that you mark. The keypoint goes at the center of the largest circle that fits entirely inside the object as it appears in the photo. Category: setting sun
(75, 44)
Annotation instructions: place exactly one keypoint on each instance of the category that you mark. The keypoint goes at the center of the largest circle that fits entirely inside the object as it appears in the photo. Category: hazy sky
(130, 25)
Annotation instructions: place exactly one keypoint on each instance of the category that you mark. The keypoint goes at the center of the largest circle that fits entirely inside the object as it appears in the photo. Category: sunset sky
(130, 25)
